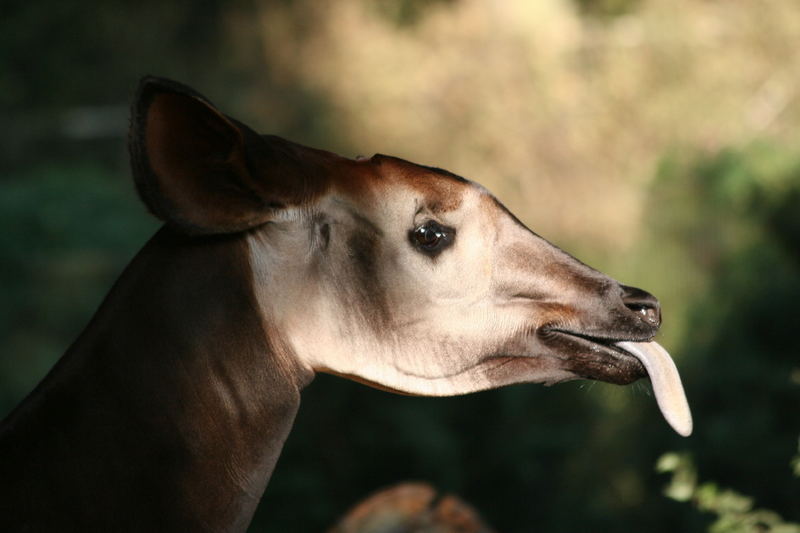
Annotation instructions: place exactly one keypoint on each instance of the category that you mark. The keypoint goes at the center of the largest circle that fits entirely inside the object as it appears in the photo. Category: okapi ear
(204, 172)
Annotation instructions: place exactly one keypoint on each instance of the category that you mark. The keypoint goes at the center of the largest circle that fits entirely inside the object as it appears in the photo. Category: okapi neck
(168, 412)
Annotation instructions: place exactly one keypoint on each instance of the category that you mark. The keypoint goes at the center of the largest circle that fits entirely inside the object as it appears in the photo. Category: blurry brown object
(411, 508)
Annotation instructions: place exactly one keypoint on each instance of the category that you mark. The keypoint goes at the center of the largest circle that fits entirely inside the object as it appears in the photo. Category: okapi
(275, 262)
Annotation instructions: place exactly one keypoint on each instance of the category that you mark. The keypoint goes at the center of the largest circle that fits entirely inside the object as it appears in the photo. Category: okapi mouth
(623, 361)
(597, 358)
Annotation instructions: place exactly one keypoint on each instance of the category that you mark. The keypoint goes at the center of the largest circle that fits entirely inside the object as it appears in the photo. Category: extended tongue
(666, 383)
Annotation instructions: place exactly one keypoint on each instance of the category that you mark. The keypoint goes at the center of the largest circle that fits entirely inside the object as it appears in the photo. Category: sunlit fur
(398, 319)
(276, 260)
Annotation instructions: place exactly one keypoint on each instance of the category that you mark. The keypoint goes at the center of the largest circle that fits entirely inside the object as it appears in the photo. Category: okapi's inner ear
(190, 162)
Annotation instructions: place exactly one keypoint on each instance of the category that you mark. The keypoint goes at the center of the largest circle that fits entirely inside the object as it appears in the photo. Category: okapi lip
(596, 358)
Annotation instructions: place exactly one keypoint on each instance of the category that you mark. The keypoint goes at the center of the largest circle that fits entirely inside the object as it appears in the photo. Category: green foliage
(735, 512)
(736, 221)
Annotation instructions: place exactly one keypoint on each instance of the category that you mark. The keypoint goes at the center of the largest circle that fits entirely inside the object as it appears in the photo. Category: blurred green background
(655, 139)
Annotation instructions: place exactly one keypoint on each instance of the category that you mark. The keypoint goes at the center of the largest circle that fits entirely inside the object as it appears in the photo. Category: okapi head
(402, 276)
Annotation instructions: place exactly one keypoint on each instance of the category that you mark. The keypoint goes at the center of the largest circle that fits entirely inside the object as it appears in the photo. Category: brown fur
(170, 410)
(207, 173)
(126, 433)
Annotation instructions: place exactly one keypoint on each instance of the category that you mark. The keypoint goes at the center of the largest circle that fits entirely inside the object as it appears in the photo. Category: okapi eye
(431, 237)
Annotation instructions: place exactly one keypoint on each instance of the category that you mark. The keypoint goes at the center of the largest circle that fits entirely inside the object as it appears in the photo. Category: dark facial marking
(320, 232)
(325, 234)
(362, 247)
(366, 292)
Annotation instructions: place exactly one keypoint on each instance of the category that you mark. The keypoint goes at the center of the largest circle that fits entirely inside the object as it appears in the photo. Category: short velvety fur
(169, 411)
(277, 261)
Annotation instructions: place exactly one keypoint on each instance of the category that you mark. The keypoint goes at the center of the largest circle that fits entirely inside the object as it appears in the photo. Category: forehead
(438, 189)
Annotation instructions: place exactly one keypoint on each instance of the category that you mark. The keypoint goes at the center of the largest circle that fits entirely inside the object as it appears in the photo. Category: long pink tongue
(666, 382)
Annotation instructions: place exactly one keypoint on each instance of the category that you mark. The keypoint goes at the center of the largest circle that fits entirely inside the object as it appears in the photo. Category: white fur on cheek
(441, 328)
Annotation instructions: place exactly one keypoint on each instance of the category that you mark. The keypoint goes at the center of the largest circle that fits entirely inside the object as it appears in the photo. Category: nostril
(648, 314)
(644, 304)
